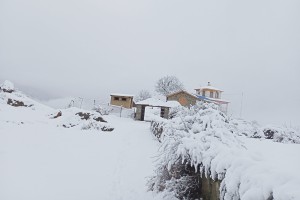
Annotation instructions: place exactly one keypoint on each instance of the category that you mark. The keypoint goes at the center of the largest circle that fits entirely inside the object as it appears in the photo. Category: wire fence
(101, 106)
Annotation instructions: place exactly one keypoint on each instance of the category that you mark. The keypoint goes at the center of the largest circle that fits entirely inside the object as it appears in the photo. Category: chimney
(208, 84)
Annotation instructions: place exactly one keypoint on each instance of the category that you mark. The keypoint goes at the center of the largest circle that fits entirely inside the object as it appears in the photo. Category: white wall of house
(207, 94)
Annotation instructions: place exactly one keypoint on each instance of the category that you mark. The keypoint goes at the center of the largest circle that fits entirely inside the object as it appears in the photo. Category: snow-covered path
(41, 162)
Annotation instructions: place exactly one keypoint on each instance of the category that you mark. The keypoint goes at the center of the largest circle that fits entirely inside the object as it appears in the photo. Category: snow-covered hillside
(72, 153)
(42, 159)
(42, 162)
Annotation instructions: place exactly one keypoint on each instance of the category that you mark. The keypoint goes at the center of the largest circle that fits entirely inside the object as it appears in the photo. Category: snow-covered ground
(42, 160)
(275, 167)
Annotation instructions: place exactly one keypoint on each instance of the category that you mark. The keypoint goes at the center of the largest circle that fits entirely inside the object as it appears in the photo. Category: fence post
(81, 101)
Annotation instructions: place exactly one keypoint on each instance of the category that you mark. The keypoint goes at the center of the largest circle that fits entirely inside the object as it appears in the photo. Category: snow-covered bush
(196, 143)
(7, 86)
(79, 118)
(244, 128)
(201, 155)
(91, 124)
(156, 128)
(280, 134)
(103, 110)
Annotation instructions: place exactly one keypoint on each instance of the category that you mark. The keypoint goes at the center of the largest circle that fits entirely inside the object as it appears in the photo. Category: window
(123, 99)
(162, 112)
(211, 95)
(116, 98)
(217, 95)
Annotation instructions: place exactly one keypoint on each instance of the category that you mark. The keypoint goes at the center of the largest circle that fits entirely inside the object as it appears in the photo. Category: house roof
(203, 98)
(182, 91)
(158, 103)
(208, 87)
(121, 95)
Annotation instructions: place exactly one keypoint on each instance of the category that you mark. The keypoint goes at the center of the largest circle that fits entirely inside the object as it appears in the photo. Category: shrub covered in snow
(282, 134)
(202, 152)
(75, 117)
(195, 142)
(103, 110)
(244, 128)
(7, 86)
(157, 128)
(95, 126)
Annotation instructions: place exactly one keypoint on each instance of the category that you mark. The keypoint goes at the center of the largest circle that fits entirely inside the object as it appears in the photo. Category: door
(143, 113)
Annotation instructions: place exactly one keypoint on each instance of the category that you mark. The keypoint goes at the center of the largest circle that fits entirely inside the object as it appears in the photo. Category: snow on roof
(159, 103)
(7, 85)
(183, 92)
(121, 95)
(172, 104)
(209, 87)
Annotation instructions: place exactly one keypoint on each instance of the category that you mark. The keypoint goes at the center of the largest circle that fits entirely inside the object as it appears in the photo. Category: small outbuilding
(124, 100)
(164, 107)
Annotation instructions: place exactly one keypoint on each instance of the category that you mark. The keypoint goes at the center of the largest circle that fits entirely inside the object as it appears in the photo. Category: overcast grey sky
(55, 48)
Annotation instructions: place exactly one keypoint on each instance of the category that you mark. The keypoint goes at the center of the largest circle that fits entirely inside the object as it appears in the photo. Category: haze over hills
(283, 113)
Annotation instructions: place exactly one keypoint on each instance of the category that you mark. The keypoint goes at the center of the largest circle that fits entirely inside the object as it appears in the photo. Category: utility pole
(241, 110)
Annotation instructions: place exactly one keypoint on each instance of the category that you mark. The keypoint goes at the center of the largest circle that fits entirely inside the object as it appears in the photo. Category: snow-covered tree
(168, 84)
(142, 95)
(195, 144)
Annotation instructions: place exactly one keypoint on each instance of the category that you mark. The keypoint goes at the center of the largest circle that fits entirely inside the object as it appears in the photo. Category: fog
(90, 49)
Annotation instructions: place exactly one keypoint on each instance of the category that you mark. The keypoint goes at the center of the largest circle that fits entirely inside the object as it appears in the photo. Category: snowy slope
(18, 108)
(50, 163)
(40, 159)
(276, 170)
